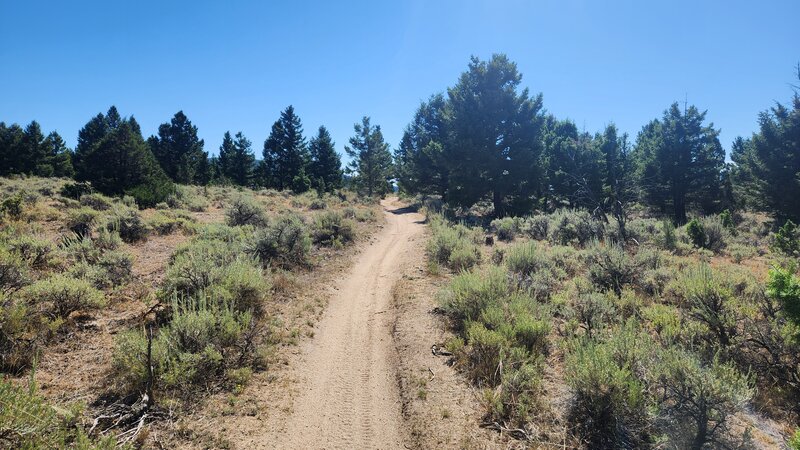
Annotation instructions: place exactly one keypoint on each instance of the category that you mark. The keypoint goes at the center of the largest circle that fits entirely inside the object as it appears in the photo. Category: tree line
(112, 154)
(486, 139)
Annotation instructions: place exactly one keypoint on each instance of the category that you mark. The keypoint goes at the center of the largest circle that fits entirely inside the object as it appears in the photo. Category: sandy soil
(351, 398)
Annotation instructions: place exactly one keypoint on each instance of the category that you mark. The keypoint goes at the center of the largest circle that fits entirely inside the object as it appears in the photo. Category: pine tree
(680, 161)
(59, 157)
(241, 161)
(421, 160)
(772, 160)
(371, 164)
(10, 148)
(120, 162)
(572, 165)
(179, 151)
(285, 153)
(225, 156)
(90, 135)
(325, 168)
(33, 153)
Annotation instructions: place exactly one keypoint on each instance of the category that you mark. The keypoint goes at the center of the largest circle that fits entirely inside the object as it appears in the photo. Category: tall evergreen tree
(10, 148)
(496, 137)
(572, 165)
(285, 153)
(746, 185)
(680, 161)
(90, 135)
(120, 162)
(241, 161)
(179, 151)
(371, 163)
(225, 156)
(421, 162)
(33, 154)
(772, 160)
(59, 157)
(325, 168)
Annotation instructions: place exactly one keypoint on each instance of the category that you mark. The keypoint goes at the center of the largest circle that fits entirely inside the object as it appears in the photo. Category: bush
(787, 239)
(331, 229)
(12, 206)
(709, 296)
(27, 421)
(285, 243)
(609, 406)
(76, 190)
(82, 221)
(198, 345)
(129, 224)
(13, 271)
(696, 233)
(470, 293)
(537, 227)
(36, 252)
(575, 227)
(784, 286)
(611, 268)
(697, 398)
(244, 211)
(453, 246)
(18, 334)
(113, 269)
(506, 228)
(97, 202)
(60, 295)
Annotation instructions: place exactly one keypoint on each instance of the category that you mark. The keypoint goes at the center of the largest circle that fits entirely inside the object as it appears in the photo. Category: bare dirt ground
(350, 397)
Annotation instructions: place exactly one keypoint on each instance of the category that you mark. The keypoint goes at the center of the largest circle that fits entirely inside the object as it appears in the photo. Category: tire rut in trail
(349, 396)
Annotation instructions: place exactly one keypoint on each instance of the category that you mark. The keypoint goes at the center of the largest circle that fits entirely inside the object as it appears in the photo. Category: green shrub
(574, 227)
(12, 206)
(129, 224)
(244, 211)
(610, 267)
(487, 349)
(284, 243)
(709, 296)
(470, 293)
(155, 191)
(18, 334)
(27, 421)
(114, 268)
(527, 259)
(82, 221)
(784, 286)
(593, 310)
(537, 226)
(36, 252)
(794, 441)
(505, 228)
(696, 233)
(60, 295)
(97, 202)
(454, 246)
(669, 239)
(106, 240)
(698, 398)
(787, 239)
(76, 190)
(168, 222)
(332, 229)
(727, 220)
(463, 256)
(199, 344)
(609, 406)
(13, 271)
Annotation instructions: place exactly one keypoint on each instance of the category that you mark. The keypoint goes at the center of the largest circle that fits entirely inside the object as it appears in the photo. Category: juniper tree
(496, 137)
(371, 164)
(679, 162)
(325, 168)
(285, 153)
(179, 151)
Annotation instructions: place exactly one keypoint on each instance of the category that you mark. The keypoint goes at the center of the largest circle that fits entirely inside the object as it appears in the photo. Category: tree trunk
(702, 432)
(497, 201)
(679, 206)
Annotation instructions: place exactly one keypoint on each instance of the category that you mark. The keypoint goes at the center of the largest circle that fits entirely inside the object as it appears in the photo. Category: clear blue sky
(234, 65)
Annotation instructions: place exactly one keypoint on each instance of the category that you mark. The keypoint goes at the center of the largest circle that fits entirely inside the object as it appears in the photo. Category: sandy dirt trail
(349, 396)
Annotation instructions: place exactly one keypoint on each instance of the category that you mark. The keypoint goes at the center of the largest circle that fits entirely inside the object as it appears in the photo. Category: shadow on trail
(403, 210)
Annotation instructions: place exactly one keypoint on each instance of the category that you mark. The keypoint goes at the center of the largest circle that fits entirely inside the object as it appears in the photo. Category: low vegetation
(69, 255)
(661, 342)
